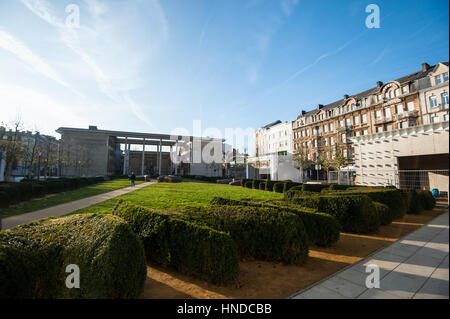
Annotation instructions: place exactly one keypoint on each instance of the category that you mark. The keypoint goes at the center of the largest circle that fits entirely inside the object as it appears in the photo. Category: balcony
(384, 119)
(346, 128)
(407, 114)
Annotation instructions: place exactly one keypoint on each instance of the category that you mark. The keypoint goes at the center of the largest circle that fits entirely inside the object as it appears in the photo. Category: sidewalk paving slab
(415, 266)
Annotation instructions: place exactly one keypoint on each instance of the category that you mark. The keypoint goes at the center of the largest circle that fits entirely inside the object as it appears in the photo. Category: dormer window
(405, 89)
(445, 77)
(438, 79)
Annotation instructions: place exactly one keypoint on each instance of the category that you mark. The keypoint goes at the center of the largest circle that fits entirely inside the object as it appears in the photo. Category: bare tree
(12, 147)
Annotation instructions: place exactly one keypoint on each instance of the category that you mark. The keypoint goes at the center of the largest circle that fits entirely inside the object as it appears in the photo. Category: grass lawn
(172, 196)
(65, 197)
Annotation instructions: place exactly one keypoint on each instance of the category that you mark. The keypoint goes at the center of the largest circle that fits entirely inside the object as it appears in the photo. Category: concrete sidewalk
(67, 208)
(414, 267)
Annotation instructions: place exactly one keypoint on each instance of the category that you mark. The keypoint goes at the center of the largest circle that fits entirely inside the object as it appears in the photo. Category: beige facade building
(384, 108)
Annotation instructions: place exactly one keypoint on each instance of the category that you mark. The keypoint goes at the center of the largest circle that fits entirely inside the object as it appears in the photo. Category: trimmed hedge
(29, 188)
(34, 257)
(278, 187)
(262, 186)
(355, 213)
(255, 184)
(322, 229)
(338, 187)
(4, 199)
(314, 187)
(243, 181)
(262, 233)
(384, 213)
(289, 185)
(249, 184)
(294, 192)
(190, 248)
(416, 201)
(269, 185)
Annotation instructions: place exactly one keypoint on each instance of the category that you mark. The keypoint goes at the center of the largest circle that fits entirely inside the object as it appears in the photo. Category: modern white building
(413, 157)
(273, 153)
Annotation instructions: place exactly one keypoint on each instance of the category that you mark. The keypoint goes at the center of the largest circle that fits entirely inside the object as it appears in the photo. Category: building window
(435, 119)
(446, 117)
(444, 99)
(438, 80)
(403, 124)
(389, 128)
(366, 132)
(378, 114)
(399, 109)
(332, 140)
(379, 97)
(357, 133)
(397, 92)
(405, 89)
(347, 122)
(331, 127)
(325, 128)
(356, 120)
(433, 101)
(391, 94)
(445, 77)
(344, 138)
(387, 112)
(410, 106)
(379, 129)
(364, 118)
(363, 103)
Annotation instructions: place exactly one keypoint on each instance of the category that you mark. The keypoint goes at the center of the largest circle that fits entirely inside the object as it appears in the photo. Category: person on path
(132, 179)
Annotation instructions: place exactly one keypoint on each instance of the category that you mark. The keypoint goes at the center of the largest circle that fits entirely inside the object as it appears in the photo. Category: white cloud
(71, 38)
(19, 49)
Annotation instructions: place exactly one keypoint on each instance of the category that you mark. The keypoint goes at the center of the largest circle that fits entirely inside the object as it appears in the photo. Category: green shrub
(384, 213)
(4, 200)
(256, 183)
(34, 257)
(355, 213)
(322, 229)
(269, 185)
(278, 187)
(392, 198)
(190, 248)
(243, 181)
(262, 186)
(314, 187)
(263, 233)
(416, 201)
(249, 184)
(294, 192)
(338, 187)
(289, 185)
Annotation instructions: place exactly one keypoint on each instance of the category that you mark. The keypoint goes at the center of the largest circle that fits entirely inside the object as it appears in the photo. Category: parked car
(169, 179)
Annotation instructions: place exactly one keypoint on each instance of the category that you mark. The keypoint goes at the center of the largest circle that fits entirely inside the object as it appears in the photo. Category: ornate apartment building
(405, 102)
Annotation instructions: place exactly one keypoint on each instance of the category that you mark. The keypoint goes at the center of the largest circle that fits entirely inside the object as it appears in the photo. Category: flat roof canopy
(149, 136)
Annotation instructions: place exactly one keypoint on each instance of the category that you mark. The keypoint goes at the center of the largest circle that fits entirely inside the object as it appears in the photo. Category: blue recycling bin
(435, 192)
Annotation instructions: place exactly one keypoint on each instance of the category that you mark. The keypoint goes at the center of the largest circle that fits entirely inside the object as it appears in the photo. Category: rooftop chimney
(346, 96)
(303, 112)
(379, 84)
(319, 106)
(425, 67)
(92, 128)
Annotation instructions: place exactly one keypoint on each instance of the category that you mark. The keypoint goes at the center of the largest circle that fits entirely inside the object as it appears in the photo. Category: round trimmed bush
(260, 232)
(256, 183)
(249, 184)
(384, 213)
(262, 186)
(278, 187)
(190, 248)
(34, 257)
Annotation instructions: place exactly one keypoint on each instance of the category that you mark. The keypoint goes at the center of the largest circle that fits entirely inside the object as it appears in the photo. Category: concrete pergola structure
(103, 139)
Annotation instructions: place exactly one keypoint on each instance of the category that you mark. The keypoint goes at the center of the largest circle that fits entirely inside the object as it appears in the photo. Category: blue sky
(154, 65)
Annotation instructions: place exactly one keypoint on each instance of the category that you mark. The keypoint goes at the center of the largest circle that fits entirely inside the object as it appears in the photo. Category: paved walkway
(414, 267)
(67, 208)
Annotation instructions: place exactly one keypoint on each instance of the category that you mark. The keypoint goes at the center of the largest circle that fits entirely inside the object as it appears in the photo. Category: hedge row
(12, 193)
(384, 213)
(355, 213)
(322, 229)
(391, 197)
(34, 257)
(262, 233)
(188, 247)
(417, 200)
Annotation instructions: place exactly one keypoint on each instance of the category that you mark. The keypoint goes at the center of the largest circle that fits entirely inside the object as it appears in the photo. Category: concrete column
(160, 156)
(125, 156)
(2, 168)
(143, 158)
(107, 155)
(170, 159)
